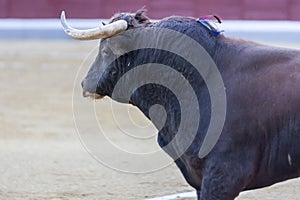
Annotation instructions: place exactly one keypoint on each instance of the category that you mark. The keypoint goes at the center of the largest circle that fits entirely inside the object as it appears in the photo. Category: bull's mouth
(92, 95)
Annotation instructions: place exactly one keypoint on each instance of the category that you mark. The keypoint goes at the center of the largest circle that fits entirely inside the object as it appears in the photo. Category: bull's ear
(140, 16)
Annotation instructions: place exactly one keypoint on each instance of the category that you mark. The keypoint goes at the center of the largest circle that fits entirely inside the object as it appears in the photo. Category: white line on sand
(184, 195)
(176, 196)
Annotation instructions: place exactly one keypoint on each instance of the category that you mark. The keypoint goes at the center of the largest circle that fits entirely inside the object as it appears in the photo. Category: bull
(259, 142)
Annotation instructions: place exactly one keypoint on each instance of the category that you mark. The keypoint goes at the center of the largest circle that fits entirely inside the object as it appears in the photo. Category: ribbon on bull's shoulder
(208, 25)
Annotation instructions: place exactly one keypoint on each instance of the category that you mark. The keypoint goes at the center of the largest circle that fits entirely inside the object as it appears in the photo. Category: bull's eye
(105, 53)
(113, 72)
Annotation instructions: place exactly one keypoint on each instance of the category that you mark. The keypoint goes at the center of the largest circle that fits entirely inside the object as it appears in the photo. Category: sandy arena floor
(41, 156)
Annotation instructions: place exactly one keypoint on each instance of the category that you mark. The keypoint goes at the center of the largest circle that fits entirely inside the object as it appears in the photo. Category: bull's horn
(95, 33)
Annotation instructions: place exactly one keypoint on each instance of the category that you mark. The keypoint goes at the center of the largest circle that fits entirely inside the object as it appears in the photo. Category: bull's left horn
(95, 33)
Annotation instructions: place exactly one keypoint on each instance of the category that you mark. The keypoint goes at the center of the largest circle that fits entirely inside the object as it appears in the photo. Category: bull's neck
(149, 96)
(152, 94)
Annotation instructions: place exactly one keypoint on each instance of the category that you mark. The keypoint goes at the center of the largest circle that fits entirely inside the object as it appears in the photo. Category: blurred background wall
(226, 9)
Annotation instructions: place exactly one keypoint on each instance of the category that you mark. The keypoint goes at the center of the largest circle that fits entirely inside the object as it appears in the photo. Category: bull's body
(260, 142)
(259, 145)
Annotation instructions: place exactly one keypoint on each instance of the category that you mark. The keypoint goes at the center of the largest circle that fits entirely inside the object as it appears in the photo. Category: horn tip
(63, 20)
(63, 14)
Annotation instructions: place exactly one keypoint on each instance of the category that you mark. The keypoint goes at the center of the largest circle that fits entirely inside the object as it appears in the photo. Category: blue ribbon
(205, 23)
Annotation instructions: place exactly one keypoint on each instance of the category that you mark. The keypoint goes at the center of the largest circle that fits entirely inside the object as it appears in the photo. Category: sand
(41, 155)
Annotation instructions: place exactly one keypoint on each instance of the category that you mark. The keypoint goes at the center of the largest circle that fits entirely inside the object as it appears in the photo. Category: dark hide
(260, 141)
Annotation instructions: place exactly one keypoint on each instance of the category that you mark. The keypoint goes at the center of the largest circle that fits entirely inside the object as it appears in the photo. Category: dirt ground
(41, 156)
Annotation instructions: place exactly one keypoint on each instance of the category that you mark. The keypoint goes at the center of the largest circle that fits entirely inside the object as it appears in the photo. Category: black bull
(260, 141)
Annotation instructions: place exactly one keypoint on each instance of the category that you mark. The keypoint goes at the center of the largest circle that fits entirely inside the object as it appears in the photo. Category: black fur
(259, 145)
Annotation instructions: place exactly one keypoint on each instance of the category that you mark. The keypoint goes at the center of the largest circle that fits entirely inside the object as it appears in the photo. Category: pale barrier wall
(282, 32)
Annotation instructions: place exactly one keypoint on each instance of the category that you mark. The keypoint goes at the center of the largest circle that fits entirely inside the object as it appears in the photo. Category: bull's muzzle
(92, 95)
(89, 91)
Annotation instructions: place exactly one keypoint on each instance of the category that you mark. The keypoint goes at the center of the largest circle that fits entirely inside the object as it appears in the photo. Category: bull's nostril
(82, 83)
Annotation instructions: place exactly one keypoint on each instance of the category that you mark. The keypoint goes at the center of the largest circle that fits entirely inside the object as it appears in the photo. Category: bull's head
(102, 74)
(172, 64)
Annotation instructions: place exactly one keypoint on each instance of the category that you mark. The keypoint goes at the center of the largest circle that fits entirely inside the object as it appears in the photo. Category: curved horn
(95, 33)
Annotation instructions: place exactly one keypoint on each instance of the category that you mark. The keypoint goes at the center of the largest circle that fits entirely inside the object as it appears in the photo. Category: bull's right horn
(95, 33)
